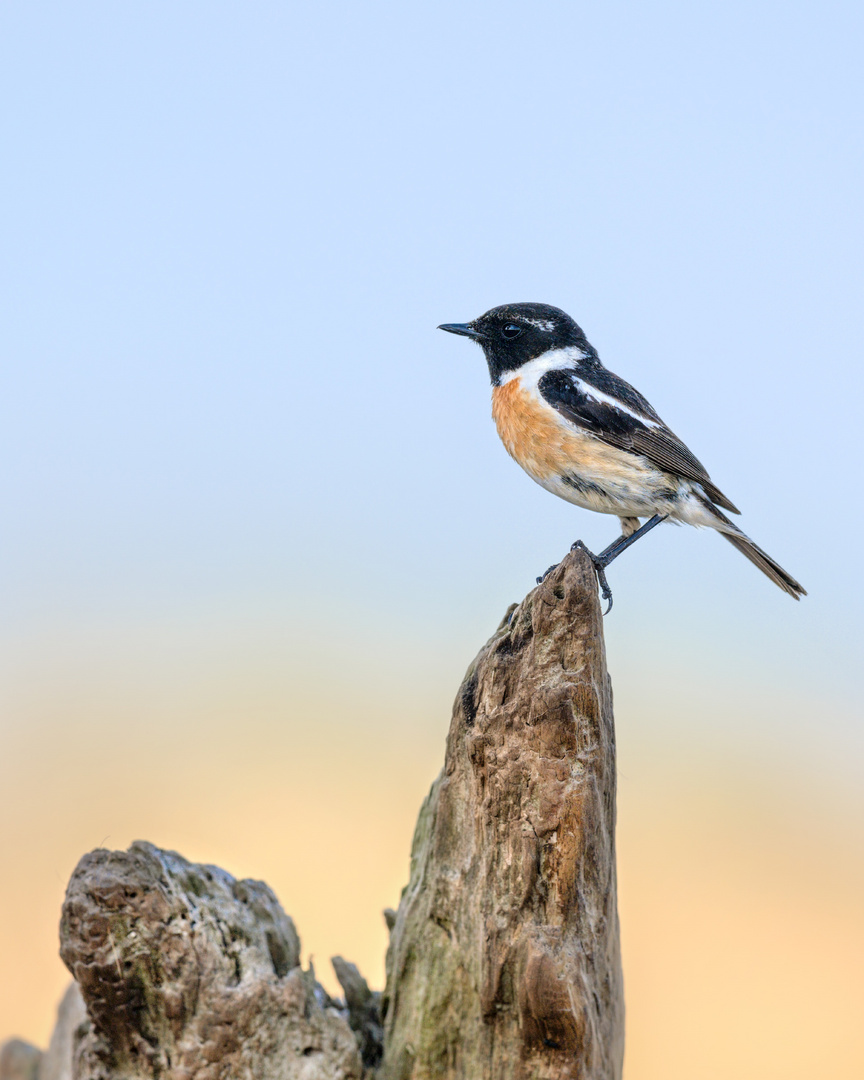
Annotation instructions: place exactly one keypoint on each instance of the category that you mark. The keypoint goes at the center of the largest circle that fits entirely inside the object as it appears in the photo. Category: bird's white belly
(604, 495)
(574, 465)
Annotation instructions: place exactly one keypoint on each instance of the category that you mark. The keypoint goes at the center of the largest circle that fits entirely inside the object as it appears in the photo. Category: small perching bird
(588, 437)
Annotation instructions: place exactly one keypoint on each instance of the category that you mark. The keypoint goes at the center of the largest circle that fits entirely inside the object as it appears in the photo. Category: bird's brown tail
(758, 557)
(766, 564)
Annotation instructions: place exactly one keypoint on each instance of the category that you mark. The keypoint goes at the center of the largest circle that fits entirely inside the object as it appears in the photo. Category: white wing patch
(615, 403)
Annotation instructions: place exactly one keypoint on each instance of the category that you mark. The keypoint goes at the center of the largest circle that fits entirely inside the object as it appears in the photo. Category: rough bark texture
(504, 961)
(188, 974)
(364, 1011)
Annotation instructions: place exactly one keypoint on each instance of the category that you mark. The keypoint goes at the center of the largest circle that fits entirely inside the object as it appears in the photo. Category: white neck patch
(532, 372)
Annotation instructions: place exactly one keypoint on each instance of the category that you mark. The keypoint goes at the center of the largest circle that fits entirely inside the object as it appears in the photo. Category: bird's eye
(511, 330)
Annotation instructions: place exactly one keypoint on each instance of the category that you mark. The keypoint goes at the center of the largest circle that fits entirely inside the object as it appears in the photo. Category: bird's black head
(513, 334)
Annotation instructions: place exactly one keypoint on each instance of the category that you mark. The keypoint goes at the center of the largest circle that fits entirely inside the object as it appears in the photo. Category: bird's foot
(543, 577)
(600, 564)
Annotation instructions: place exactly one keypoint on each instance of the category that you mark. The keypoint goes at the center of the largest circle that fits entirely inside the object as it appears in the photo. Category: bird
(587, 436)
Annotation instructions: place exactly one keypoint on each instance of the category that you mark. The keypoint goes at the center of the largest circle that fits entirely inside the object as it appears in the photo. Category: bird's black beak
(462, 328)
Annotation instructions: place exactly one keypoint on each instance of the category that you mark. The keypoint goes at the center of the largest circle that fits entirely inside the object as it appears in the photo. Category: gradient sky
(256, 517)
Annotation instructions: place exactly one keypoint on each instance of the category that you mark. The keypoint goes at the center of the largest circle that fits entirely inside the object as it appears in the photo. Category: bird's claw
(599, 565)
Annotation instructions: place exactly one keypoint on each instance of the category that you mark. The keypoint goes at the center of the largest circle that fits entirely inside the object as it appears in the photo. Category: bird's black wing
(620, 416)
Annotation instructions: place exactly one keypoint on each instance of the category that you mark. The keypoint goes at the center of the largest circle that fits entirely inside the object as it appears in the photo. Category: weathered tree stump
(188, 974)
(504, 960)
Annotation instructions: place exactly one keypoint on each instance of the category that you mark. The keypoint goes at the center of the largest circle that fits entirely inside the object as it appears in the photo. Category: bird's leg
(606, 556)
(623, 542)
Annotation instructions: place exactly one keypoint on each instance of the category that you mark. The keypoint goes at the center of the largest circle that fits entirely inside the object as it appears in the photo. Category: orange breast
(534, 434)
